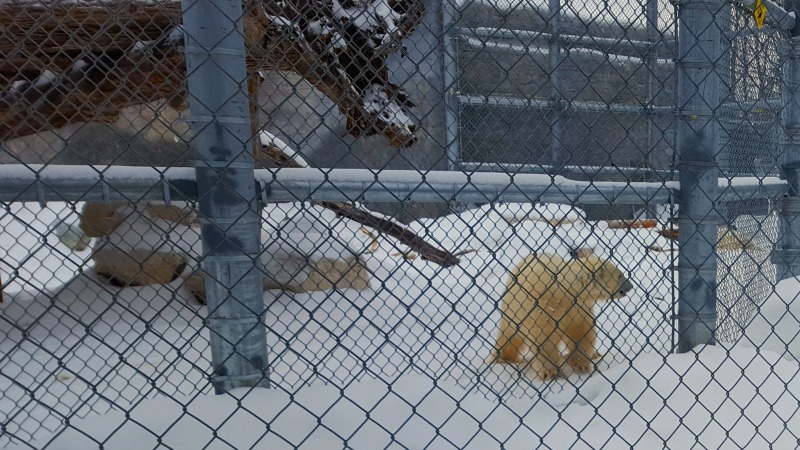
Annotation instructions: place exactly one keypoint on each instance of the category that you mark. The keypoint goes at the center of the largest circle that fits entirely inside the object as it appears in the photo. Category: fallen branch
(406, 237)
(285, 156)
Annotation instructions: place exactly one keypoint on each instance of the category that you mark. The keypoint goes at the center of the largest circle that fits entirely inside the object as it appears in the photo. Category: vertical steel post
(556, 108)
(787, 256)
(215, 63)
(699, 50)
(452, 108)
(651, 61)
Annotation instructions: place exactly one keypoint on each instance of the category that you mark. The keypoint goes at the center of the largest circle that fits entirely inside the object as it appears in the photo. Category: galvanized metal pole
(787, 256)
(215, 63)
(452, 108)
(554, 50)
(699, 49)
(651, 61)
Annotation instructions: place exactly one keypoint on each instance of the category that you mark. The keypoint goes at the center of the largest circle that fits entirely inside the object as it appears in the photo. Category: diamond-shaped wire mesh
(474, 219)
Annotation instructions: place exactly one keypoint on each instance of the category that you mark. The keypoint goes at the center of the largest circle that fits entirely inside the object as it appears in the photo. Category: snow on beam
(91, 183)
(614, 46)
(568, 170)
(566, 105)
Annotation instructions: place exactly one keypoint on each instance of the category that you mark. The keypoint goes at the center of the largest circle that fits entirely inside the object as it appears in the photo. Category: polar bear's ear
(586, 270)
(581, 252)
(606, 269)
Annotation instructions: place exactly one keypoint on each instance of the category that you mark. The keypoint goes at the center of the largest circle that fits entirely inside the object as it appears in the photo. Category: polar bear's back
(537, 275)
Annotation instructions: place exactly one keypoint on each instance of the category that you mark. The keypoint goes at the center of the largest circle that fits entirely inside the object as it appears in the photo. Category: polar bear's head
(602, 278)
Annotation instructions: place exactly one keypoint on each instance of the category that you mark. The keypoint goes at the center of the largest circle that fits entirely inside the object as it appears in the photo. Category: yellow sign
(760, 13)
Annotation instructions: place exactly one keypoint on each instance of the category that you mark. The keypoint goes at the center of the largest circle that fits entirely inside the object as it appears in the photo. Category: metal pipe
(599, 172)
(452, 109)
(651, 15)
(217, 81)
(556, 96)
(699, 50)
(22, 183)
(505, 46)
(611, 46)
(564, 105)
(747, 105)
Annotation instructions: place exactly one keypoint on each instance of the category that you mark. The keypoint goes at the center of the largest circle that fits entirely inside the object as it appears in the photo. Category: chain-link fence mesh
(478, 224)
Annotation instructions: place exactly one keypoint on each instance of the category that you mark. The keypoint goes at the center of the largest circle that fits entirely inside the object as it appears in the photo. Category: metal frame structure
(217, 77)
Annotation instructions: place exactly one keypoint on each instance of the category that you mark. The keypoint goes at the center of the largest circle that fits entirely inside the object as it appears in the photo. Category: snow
(491, 226)
(401, 366)
(269, 139)
(45, 79)
(27, 247)
(679, 401)
(79, 66)
(376, 102)
(375, 15)
(776, 325)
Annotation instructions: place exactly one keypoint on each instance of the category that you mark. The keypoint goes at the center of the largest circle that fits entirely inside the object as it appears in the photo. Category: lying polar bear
(308, 248)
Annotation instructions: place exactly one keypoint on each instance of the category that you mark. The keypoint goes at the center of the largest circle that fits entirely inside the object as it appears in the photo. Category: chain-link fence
(399, 224)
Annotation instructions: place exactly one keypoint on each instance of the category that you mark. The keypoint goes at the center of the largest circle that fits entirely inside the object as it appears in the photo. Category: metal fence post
(787, 255)
(452, 108)
(651, 61)
(556, 108)
(215, 60)
(699, 50)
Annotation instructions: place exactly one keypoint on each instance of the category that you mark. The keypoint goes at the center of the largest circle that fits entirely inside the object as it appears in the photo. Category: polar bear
(549, 302)
(153, 243)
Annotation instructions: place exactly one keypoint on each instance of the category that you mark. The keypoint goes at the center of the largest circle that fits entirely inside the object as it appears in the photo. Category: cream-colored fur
(153, 243)
(154, 262)
(100, 219)
(549, 302)
(322, 275)
(137, 267)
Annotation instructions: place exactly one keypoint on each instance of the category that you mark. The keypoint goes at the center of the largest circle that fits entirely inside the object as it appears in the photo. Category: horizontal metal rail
(21, 183)
(746, 106)
(753, 106)
(565, 105)
(613, 46)
(567, 170)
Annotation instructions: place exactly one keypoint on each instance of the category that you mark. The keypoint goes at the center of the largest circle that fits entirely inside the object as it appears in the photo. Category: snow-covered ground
(398, 366)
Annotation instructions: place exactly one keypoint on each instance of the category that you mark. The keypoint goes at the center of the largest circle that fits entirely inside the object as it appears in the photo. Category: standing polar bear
(549, 301)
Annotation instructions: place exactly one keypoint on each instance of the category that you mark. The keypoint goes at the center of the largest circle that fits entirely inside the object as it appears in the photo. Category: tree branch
(69, 62)
(285, 156)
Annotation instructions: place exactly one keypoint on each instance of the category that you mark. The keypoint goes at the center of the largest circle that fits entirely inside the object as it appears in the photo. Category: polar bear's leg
(546, 360)
(584, 336)
(511, 351)
(509, 342)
